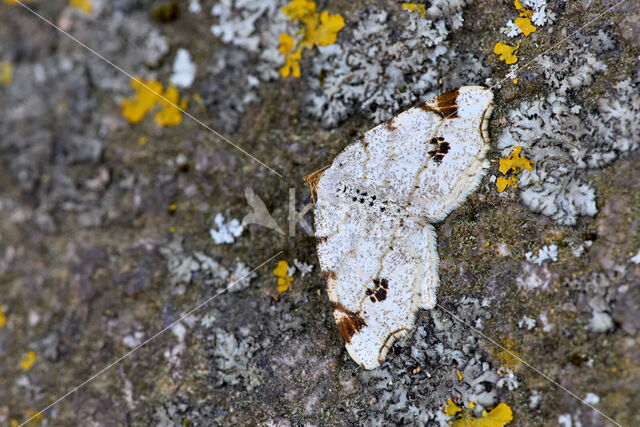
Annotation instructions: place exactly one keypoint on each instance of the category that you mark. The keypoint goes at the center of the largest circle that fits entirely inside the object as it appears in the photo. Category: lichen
(502, 183)
(284, 276)
(416, 7)
(226, 232)
(566, 138)
(83, 5)
(318, 29)
(28, 360)
(513, 163)
(6, 73)
(532, 14)
(149, 94)
(506, 53)
(381, 66)
(497, 417)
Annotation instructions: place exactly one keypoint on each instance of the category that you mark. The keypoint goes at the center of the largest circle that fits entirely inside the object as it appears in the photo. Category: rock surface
(105, 239)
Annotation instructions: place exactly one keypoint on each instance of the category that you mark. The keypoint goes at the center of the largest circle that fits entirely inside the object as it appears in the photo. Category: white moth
(374, 208)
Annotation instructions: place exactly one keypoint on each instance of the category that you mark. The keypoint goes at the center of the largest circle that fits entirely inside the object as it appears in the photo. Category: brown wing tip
(444, 105)
(349, 323)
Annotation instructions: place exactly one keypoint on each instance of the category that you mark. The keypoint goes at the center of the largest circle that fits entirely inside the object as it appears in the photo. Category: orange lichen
(134, 109)
(452, 408)
(515, 162)
(524, 21)
(300, 9)
(507, 356)
(282, 273)
(415, 7)
(525, 25)
(34, 416)
(497, 417)
(28, 360)
(149, 94)
(83, 5)
(318, 29)
(6, 73)
(3, 317)
(170, 114)
(292, 64)
(502, 183)
(506, 52)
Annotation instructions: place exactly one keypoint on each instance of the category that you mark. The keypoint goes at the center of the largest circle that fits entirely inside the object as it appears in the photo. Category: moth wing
(379, 271)
(429, 158)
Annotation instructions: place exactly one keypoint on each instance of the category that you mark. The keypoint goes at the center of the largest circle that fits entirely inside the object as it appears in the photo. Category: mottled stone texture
(95, 260)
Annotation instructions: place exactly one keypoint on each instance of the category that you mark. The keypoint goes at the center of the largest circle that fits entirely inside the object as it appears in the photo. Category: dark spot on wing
(380, 292)
(442, 148)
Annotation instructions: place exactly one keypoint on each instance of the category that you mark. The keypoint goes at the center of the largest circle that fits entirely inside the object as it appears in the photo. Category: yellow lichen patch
(143, 140)
(3, 318)
(83, 5)
(497, 417)
(415, 7)
(6, 72)
(515, 162)
(506, 52)
(318, 29)
(525, 25)
(28, 360)
(471, 404)
(300, 9)
(452, 408)
(149, 94)
(326, 32)
(524, 21)
(134, 109)
(170, 114)
(282, 273)
(507, 356)
(292, 64)
(502, 183)
(460, 377)
(34, 416)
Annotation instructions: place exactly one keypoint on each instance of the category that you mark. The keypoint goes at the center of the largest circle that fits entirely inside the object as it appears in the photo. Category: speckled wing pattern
(374, 209)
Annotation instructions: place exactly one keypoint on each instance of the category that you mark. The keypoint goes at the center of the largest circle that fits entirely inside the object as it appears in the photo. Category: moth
(374, 210)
